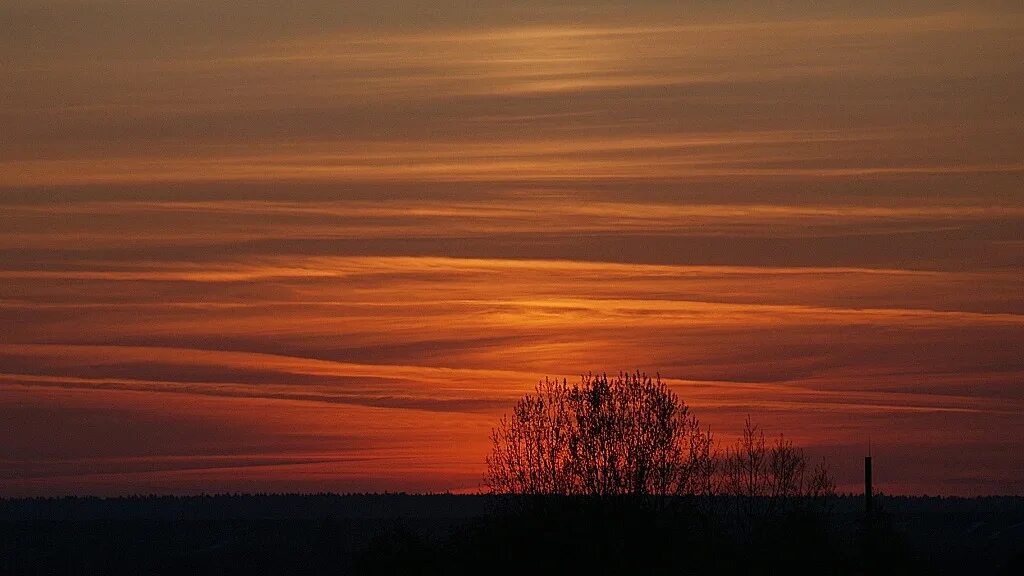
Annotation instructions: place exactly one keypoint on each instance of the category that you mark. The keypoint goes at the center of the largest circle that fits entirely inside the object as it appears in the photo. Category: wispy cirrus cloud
(323, 247)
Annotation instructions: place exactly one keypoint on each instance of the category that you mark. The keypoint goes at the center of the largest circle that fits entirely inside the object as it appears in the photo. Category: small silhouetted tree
(765, 477)
(605, 436)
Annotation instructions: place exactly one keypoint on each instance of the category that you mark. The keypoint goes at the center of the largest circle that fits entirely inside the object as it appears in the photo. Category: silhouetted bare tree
(605, 436)
(631, 435)
(766, 477)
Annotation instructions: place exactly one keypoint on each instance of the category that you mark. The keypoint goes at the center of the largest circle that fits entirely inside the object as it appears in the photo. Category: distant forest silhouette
(480, 534)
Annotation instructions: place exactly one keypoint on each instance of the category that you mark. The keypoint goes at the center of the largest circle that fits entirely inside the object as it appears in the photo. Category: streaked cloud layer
(324, 248)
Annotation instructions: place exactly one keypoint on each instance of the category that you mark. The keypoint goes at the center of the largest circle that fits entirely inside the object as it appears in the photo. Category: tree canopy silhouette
(605, 436)
(631, 435)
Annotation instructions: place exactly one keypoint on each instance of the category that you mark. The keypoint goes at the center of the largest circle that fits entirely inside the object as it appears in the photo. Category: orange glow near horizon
(328, 254)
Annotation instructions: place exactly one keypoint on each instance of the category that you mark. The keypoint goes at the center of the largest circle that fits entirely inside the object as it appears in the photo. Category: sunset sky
(323, 245)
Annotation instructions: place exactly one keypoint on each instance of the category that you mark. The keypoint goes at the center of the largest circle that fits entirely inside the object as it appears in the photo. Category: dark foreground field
(445, 534)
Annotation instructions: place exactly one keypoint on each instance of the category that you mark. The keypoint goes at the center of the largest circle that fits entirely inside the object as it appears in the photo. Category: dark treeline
(246, 506)
(449, 534)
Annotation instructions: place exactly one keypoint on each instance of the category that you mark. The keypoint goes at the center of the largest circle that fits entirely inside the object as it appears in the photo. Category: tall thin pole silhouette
(867, 485)
(868, 492)
(869, 520)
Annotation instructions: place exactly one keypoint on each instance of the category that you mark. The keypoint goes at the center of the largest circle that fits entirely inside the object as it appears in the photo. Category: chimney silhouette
(867, 482)
(869, 520)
